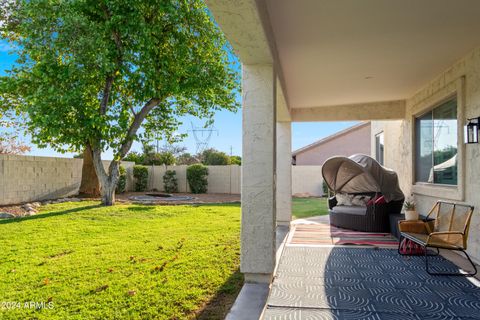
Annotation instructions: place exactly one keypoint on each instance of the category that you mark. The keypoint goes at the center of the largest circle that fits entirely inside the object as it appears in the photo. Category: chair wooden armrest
(429, 225)
(438, 233)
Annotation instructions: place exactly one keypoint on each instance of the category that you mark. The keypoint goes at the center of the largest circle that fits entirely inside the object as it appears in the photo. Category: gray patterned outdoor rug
(364, 283)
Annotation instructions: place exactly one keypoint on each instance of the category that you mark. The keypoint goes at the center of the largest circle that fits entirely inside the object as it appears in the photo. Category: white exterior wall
(284, 173)
(257, 260)
(462, 79)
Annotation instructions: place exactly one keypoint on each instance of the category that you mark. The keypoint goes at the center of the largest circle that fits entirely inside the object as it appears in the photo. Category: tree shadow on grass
(217, 204)
(49, 215)
(141, 208)
(220, 304)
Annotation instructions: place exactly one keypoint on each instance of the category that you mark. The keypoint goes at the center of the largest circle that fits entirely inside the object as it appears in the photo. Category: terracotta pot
(411, 215)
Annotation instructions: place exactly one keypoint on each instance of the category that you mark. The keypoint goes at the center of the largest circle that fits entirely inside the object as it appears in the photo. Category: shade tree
(91, 73)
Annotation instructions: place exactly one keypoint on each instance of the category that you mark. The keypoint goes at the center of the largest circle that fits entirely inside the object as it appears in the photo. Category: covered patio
(315, 280)
(381, 60)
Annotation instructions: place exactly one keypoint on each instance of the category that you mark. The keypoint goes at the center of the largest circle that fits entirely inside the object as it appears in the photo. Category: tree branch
(119, 60)
(133, 111)
(137, 122)
(97, 162)
(106, 94)
(118, 43)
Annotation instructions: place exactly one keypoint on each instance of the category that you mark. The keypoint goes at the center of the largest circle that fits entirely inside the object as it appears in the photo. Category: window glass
(445, 143)
(424, 152)
(436, 145)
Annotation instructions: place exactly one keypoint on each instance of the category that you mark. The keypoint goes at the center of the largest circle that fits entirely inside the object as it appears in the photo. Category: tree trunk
(108, 192)
(108, 181)
(89, 185)
(109, 184)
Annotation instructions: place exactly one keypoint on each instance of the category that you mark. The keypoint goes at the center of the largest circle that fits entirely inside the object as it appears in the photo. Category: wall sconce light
(471, 130)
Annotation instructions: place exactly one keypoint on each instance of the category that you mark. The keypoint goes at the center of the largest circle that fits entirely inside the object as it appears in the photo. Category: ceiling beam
(283, 112)
(270, 38)
(384, 110)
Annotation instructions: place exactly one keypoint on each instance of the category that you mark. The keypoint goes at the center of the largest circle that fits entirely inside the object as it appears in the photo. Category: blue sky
(228, 124)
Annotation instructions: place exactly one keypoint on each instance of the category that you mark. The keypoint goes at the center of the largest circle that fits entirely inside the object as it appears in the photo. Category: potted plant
(410, 213)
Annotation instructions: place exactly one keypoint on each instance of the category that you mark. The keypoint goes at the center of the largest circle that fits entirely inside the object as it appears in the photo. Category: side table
(394, 220)
(407, 246)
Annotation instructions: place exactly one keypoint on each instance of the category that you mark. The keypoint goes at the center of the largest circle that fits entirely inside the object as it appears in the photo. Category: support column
(258, 174)
(284, 173)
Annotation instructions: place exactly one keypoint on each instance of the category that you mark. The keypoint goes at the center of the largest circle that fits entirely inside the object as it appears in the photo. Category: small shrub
(122, 180)
(186, 158)
(157, 159)
(236, 160)
(170, 181)
(140, 173)
(212, 157)
(136, 157)
(197, 178)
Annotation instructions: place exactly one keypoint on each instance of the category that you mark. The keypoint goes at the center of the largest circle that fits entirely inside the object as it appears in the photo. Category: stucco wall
(464, 79)
(352, 142)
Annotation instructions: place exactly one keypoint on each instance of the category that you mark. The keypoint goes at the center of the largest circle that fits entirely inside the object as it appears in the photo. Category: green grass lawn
(309, 207)
(121, 262)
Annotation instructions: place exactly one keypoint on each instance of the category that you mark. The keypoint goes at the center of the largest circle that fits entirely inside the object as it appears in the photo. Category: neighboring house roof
(331, 137)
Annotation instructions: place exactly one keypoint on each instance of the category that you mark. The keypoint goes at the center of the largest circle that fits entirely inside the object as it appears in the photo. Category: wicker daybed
(363, 179)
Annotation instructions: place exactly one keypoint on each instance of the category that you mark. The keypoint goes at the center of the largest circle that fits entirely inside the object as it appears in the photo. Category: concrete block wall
(307, 180)
(28, 178)
(221, 179)
(224, 179)
(25, 179)
(155, 177)
(129, 167)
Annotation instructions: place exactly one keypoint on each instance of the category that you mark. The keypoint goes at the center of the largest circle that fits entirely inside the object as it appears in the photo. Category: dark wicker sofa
(360, 175)
(372, 218)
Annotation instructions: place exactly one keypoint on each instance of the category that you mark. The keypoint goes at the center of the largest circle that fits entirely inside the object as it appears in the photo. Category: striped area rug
(324, 234)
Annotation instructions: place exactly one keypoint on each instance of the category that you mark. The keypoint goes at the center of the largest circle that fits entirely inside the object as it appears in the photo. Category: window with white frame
(436, 145)
(379, 148)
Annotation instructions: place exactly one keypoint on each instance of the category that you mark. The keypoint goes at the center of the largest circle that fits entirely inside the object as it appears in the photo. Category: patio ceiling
(348, 52)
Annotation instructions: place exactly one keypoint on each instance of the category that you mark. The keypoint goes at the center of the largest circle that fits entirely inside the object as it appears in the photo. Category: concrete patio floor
(359, 282)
